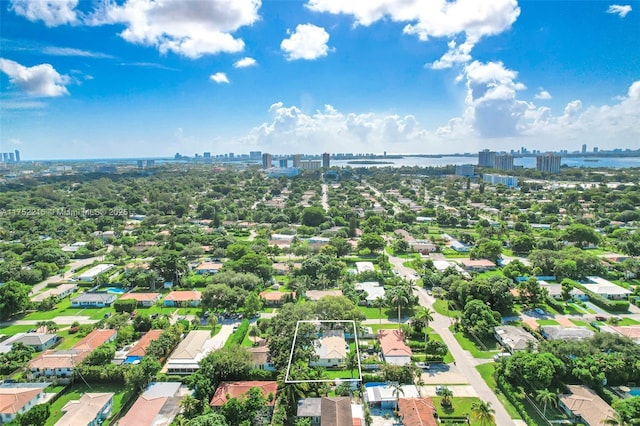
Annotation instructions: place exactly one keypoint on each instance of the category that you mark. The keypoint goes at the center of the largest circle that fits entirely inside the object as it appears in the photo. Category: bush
(237, 336)
(509, 393)
(124, 305)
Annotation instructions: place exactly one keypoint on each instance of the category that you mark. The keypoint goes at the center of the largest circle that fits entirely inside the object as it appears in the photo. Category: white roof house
(606, 288)
(95, 271)
(194, 347)
(373, 289)
(364, 267)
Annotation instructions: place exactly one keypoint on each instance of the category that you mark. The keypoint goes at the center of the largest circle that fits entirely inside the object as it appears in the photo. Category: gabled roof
(259, 355)
(336, 411)
(417, 412)
(35, 339)
(332, 345)
(557, 332)
(100, 297)
(13, 399)
(228, 390)
(140, 349)
(95, 339)
(192, 345)
(392, 343)
(157, 406)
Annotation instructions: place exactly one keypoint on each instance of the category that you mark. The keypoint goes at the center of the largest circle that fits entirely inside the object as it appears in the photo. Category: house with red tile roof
(143, 299)
(477, 265)
(394, 350)
(274, 298)
(417, 412)
(60, 363)
(18, 398)
(183, 298)
(157, 406)
(139, 350)
(228, 390)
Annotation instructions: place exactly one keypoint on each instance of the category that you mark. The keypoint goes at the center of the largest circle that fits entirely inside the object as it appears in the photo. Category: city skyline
(139, 79)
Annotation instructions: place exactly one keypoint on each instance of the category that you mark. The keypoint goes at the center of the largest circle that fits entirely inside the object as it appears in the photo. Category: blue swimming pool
(634, 392)
(115, 290)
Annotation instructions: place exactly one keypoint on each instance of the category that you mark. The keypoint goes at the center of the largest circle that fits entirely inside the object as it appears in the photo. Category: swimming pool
(634, 392)
(115, 290)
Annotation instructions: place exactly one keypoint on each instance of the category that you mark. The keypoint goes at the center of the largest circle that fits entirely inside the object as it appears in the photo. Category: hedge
(125, 305)
(237, 336)
(607, 305)
(506, 388)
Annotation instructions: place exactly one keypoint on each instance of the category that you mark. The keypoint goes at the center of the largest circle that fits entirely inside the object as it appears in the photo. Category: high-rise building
(266, 161)
(11, 157)
(465, 170)
(231, 155)
(17, 156)
(255, 155)
(486, 158)
(508, 181)
(548, 163)
(326, 160)
(309, 164)
(5, 157)
(296, 160)
(595, 149)
(206, 154)
(151, 163)
(282, 163)
(584, 148)
(503, 162)
(140, 164)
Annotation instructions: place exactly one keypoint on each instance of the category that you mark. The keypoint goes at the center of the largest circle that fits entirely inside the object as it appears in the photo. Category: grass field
(441, 307)
(374, 313)
(469, 344)
(460, 407)
(486, 372)
(15, 329)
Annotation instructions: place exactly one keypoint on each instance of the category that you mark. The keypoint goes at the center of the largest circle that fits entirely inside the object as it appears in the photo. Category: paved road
(465, 362)
(74, 265)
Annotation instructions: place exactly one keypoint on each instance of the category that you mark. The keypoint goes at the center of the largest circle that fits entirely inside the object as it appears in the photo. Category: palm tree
(446, 395)
(425, 316)
(545, 396)
(351, 362)
(398, 297)
(483, 412)
(616, 420)
(189, 406)
(213, 321)
(379, 303)
(397, 391)
(254, 332)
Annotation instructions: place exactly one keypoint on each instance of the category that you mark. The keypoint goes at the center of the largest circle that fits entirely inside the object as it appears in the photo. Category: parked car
(422, 365)
(440, 389)
(539, 311)
(601, 318)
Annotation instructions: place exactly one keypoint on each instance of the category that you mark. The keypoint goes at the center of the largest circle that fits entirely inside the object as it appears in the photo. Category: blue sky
(136, 78)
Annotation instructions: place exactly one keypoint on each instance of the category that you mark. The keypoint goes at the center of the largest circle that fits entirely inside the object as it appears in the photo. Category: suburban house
(606, 288)
(157, 406)
(135, 265)
(93, 300)
(185, 358)
(585, 406)
(144, 300)
(394, 350)
(364, 267)
(90, 410)
(332, 350)
(18, 398)
(383, 395)
(60, 363)
(38, 341)
(208, 268)
(183, 298)
(139, 350)
(274, 298)
(280, 268)
(144, 246)
(373, 291)
(315, 295)
(260, 358)
(423, 246)
(329, 411)
(514, 338)
(630, 331)
(558, 332)
(92, 273)
(60, 292)
(417, 412)
(555, 291)
(228, 390)
(477, 265)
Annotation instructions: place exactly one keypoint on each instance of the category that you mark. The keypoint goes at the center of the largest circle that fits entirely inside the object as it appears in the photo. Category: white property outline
(293, 345)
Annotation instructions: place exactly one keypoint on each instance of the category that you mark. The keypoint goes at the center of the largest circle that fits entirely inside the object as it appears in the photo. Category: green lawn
(547, 322)
(341, 374)
(441, 307)
(486, 372)
(376, 327)
(628, 321)
(461, 406)
(69, 340)
(419, 354)
(468, 343)
(374, 313)
(15, 329)
(583, 324)
(77, 390)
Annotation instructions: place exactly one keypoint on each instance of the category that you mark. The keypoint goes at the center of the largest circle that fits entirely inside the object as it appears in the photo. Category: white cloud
(620, 10)
(187, 28)
(69, 51)
(39, 81)
(245, 62)
(473, 19)
(543, 95)
(51, 12)
(306, 42)
(219, 78)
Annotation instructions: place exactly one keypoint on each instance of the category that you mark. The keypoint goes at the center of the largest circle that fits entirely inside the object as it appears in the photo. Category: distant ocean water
(526, 162)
